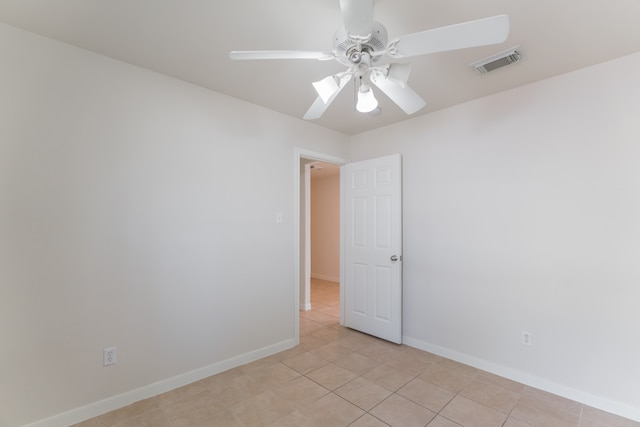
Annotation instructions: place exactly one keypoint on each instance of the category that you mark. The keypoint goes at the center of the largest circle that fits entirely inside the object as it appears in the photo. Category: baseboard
(305, 307)
(327, 278)
(601, 403)
(101, 407)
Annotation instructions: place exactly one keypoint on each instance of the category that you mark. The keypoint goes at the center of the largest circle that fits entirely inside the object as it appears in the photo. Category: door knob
(394, 257)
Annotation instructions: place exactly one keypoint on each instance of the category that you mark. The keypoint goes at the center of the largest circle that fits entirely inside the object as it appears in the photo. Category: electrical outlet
(527, 339)
(108, 356)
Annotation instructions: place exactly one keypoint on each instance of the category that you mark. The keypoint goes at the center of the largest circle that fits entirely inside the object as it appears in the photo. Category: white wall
(522, 212)
(325, 227)
(131, 205)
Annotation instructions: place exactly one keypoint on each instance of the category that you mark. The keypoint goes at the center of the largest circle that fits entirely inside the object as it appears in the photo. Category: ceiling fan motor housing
(346, 49)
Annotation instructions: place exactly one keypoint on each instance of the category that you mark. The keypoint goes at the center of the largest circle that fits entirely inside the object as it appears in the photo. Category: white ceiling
(191, 40)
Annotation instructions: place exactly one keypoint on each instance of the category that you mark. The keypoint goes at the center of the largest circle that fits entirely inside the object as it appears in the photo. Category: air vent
(499, 60)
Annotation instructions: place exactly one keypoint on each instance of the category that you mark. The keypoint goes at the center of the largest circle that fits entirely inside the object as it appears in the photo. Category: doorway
(310, 165)
(370, 243)
(324, 236)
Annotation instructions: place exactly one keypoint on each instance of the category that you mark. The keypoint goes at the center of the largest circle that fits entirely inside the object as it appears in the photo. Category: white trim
(307, 236)
(115, 402)
(327, 278)
(601, 403)
(342, 268)
(300, 154)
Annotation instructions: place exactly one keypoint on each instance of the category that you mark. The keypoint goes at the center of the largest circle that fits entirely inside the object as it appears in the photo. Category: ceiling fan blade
(481, 32)
(318, 107)
(404, 96)
(358, 17)
(278, 54)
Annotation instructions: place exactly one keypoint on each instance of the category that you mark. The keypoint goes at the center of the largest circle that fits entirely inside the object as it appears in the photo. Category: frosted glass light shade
(326, 88)
(399, 73)
(366, 101)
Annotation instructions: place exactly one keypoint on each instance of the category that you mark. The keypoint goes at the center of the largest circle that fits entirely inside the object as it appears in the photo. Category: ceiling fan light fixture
(399, 73)
(326, 87)
(367, 102)
(362, 42)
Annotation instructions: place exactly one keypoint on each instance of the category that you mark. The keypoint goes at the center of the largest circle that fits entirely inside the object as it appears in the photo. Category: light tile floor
(338, 377)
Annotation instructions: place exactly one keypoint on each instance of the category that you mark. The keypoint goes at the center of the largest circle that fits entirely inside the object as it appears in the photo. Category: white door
(372, 246)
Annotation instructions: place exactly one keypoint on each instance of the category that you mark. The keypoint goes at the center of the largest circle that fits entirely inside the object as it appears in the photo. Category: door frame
(301, 154)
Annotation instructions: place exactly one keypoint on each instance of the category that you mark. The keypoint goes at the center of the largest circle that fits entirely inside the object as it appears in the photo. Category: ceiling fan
(362, 43)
